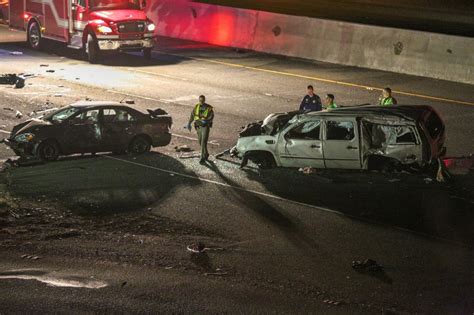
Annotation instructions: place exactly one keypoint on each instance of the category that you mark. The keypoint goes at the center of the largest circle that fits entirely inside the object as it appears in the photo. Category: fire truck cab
(94, 26)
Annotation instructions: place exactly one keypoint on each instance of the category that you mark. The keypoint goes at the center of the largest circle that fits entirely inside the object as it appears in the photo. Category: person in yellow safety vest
(329, 102)
(202, 117)
(386, 98)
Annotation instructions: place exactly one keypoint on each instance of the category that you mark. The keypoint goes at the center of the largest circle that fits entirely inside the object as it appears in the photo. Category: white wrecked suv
(361, 138)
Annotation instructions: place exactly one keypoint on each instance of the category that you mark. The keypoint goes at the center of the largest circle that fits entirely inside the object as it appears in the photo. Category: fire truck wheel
(147, 53)
(92, 50)
(34, 36)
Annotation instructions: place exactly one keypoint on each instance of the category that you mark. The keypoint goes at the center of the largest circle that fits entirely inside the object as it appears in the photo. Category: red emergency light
(26, 16)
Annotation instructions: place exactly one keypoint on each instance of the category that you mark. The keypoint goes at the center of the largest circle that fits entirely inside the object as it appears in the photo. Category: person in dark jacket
(311, 102)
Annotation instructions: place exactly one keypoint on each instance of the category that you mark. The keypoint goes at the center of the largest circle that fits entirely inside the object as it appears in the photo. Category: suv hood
(27, 126)
(118, 15)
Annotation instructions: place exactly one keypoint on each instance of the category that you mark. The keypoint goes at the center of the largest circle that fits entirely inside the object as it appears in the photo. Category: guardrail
(403, 51)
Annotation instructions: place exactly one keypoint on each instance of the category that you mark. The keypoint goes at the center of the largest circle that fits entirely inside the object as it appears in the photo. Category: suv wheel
(264, 160)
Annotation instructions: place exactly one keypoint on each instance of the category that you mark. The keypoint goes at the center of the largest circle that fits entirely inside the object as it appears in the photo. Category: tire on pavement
(139, 145)
(34, 36)
(264, 160)
(48, 151)
(92, 49)
(147, 53)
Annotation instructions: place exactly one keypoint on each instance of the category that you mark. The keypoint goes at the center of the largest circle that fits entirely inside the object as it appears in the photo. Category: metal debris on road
(307, 170)
(183, 148)
(366, 265)
(13, 79)
(196, 248)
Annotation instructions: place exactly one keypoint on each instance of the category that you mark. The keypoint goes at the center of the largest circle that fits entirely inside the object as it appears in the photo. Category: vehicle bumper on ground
(125, 45)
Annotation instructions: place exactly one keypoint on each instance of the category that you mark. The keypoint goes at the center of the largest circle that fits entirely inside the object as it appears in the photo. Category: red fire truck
(94, 26)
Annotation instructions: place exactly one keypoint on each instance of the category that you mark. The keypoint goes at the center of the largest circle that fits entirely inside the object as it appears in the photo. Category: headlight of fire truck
(24, 137)
(150, 27)
(104, 29)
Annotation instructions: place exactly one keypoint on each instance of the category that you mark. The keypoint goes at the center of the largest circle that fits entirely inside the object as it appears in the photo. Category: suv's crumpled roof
(409, 112)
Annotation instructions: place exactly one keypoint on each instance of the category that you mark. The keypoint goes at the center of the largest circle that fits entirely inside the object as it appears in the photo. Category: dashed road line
(267, 195)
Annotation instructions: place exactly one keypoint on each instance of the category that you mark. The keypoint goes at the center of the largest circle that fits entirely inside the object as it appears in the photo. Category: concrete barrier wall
(402, 51)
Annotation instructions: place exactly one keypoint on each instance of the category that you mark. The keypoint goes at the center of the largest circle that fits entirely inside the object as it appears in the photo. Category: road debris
(44, 65)
(183, 148)
(366, 265)
(16, 53)
(196, 248)
(50, 70)
(12, 79)
(18, 114)
(31, 257)
(216, 274)
(307, 170)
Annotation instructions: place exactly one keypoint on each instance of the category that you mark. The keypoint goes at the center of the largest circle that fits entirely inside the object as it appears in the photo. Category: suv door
(341, 143)
(300, 145)
(82, 133)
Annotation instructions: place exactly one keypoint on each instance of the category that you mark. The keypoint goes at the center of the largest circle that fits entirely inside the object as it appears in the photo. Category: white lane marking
(4, 131)
(157, 74)
(139, 96)
(212, 142)
(256, 192)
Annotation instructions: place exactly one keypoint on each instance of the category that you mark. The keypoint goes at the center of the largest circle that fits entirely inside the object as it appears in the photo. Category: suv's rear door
(341, 145)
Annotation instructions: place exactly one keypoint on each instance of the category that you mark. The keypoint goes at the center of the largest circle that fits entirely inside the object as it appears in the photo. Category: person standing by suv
(202, 116)
(311, 102)
(386, 98)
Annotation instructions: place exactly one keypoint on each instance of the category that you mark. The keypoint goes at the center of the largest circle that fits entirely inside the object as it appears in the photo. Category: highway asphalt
(279, 241)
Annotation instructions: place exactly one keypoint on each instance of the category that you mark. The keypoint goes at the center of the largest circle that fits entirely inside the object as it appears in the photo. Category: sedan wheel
(139, 145)
(48, 151)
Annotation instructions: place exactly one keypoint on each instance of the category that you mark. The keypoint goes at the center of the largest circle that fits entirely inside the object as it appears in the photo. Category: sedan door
(119, 128)
(300, 145)
(82, 133)
(341, 143)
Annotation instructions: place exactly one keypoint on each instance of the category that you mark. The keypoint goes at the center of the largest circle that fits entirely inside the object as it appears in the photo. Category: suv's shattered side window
(309, 130)
(340, 130)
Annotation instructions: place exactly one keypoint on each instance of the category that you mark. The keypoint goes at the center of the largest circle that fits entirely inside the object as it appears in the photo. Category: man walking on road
(202, 117)
(311, 102)
(386, 97)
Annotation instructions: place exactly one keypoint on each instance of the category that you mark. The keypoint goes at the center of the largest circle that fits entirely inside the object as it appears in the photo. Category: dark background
(439, 16)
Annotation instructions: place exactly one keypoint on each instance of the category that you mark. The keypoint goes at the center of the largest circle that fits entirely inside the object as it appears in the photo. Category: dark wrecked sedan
(90, 127)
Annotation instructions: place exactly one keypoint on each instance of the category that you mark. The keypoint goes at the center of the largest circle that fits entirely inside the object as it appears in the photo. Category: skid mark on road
(267, 195)
(302, 76)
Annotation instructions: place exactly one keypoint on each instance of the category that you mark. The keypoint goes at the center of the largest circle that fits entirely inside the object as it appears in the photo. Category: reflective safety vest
(388, 101)
(202, 115)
